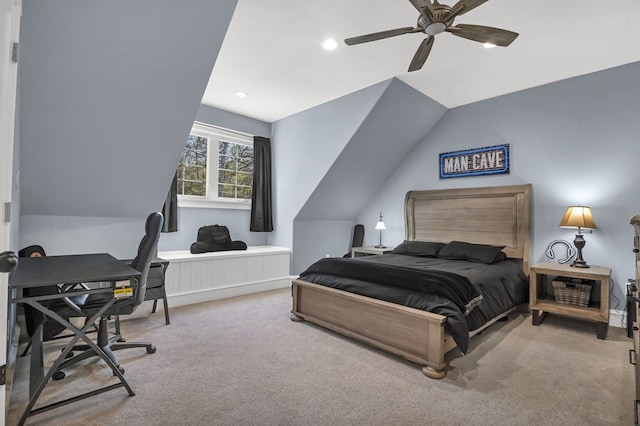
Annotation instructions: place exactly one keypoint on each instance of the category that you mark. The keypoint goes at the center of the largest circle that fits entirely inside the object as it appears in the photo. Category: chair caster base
(151, 350)
(58, 375)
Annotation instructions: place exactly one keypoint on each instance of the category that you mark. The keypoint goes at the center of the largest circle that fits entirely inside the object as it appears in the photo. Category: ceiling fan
(436, 18)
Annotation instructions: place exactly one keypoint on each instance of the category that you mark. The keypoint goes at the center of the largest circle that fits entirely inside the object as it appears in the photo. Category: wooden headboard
(499, 215)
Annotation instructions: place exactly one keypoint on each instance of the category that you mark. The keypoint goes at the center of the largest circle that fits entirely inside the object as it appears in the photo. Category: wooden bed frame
(491, 215)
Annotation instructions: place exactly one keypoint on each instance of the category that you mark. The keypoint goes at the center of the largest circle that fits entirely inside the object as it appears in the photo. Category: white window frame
(214, 133)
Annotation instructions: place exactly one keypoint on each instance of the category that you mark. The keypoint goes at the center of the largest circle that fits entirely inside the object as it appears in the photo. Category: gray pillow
(418, 248)
(481, 253)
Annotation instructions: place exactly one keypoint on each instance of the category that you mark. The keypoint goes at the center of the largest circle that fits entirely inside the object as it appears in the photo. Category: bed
(492, 216)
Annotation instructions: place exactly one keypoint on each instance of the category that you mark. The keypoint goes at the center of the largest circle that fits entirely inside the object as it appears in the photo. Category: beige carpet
(241, 361)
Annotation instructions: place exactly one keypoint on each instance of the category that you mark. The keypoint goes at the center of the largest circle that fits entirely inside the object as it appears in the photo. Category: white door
(10, 12)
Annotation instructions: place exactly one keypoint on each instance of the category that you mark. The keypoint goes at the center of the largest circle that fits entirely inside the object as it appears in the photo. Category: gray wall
(576, 141)
(304, 147)
(108, 93)
(395, 124)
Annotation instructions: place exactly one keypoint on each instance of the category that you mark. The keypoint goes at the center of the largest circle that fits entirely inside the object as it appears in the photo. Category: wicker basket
(571, 293)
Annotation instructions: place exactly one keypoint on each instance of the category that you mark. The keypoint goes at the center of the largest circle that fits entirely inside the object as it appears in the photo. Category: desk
(51, 270)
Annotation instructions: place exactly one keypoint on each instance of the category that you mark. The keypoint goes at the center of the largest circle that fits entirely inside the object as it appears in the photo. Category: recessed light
(489, 45)
(241, 94)
(329, 44)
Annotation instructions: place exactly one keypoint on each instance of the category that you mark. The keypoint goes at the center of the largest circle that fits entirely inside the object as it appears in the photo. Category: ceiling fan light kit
(436, 18)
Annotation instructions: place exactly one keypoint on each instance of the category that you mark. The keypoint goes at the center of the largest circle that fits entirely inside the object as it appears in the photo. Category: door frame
(10, 14)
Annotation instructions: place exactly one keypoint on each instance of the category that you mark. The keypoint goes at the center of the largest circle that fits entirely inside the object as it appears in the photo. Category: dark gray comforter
(469, 294)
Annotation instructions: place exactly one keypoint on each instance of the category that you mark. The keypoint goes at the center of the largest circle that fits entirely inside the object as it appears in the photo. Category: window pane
(235, 170)
(244, 179)
(244, 192)
(227, 176)
(245, 165)
(194, 188)
(245, 152)
(226, 148)
(226, 191)
(192, 168)
(227, 163)
(196, 143)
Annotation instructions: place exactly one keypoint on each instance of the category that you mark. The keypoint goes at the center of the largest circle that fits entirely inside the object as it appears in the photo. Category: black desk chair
(358, 238)
(123, 306)
(155, 290)
(33, 318)
(155, 286)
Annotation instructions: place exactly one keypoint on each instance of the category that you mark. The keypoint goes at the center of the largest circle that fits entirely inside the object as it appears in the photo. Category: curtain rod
(224, 129)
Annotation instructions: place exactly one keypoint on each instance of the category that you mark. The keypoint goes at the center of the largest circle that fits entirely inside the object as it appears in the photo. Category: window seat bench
(193, 278)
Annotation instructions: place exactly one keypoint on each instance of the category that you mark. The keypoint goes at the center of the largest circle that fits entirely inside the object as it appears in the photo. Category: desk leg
(37, 386)
(36, 367)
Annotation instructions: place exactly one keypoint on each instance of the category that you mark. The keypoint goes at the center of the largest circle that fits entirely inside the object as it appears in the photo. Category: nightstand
(542, 303)
(369, 251)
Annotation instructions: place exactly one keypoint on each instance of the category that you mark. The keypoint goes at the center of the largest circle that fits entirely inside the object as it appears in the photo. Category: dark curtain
(261, 211)
(170, 208)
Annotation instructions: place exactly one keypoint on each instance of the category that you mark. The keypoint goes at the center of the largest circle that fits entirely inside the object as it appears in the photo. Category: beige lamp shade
(578, 217)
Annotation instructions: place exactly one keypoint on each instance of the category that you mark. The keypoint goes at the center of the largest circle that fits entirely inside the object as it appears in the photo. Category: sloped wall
(400, 118)
(304, 146)
(351, 146)
(108, 93)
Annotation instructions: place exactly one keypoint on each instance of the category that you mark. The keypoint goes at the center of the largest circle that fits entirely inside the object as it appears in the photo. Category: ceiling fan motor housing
(440, 12)
(437, 25)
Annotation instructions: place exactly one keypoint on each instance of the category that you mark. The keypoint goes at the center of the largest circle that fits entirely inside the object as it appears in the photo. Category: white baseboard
(207, 295)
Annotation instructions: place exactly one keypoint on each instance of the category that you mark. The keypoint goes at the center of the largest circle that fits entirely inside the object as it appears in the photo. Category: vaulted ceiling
(272, 51)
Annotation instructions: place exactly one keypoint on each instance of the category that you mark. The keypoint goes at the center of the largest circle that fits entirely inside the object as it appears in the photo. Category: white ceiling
(272, 51)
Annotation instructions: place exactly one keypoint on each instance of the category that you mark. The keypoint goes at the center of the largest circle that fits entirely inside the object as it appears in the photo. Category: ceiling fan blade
(424, 7)
(483, 34)
(463, 6)
(421, 54)
(379, 36)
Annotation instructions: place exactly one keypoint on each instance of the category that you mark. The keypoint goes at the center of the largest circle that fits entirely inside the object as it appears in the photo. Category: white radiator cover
(193, 278)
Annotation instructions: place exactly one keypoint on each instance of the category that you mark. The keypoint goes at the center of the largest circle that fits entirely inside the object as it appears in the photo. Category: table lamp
(578, 217)
(380, 226)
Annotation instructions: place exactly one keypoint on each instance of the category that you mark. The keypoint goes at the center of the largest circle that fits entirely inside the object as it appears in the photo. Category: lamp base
(580, 264)
(380, 246)
(579, 242)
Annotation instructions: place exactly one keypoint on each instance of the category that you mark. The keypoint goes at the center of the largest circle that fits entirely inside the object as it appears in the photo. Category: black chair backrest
(33, 317)
(146, 251)
(358, 236)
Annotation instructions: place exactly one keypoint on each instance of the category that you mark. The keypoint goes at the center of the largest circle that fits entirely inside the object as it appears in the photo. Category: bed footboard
(416, 335)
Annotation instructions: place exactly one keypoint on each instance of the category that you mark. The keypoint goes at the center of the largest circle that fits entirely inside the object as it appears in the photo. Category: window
(215, 169)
